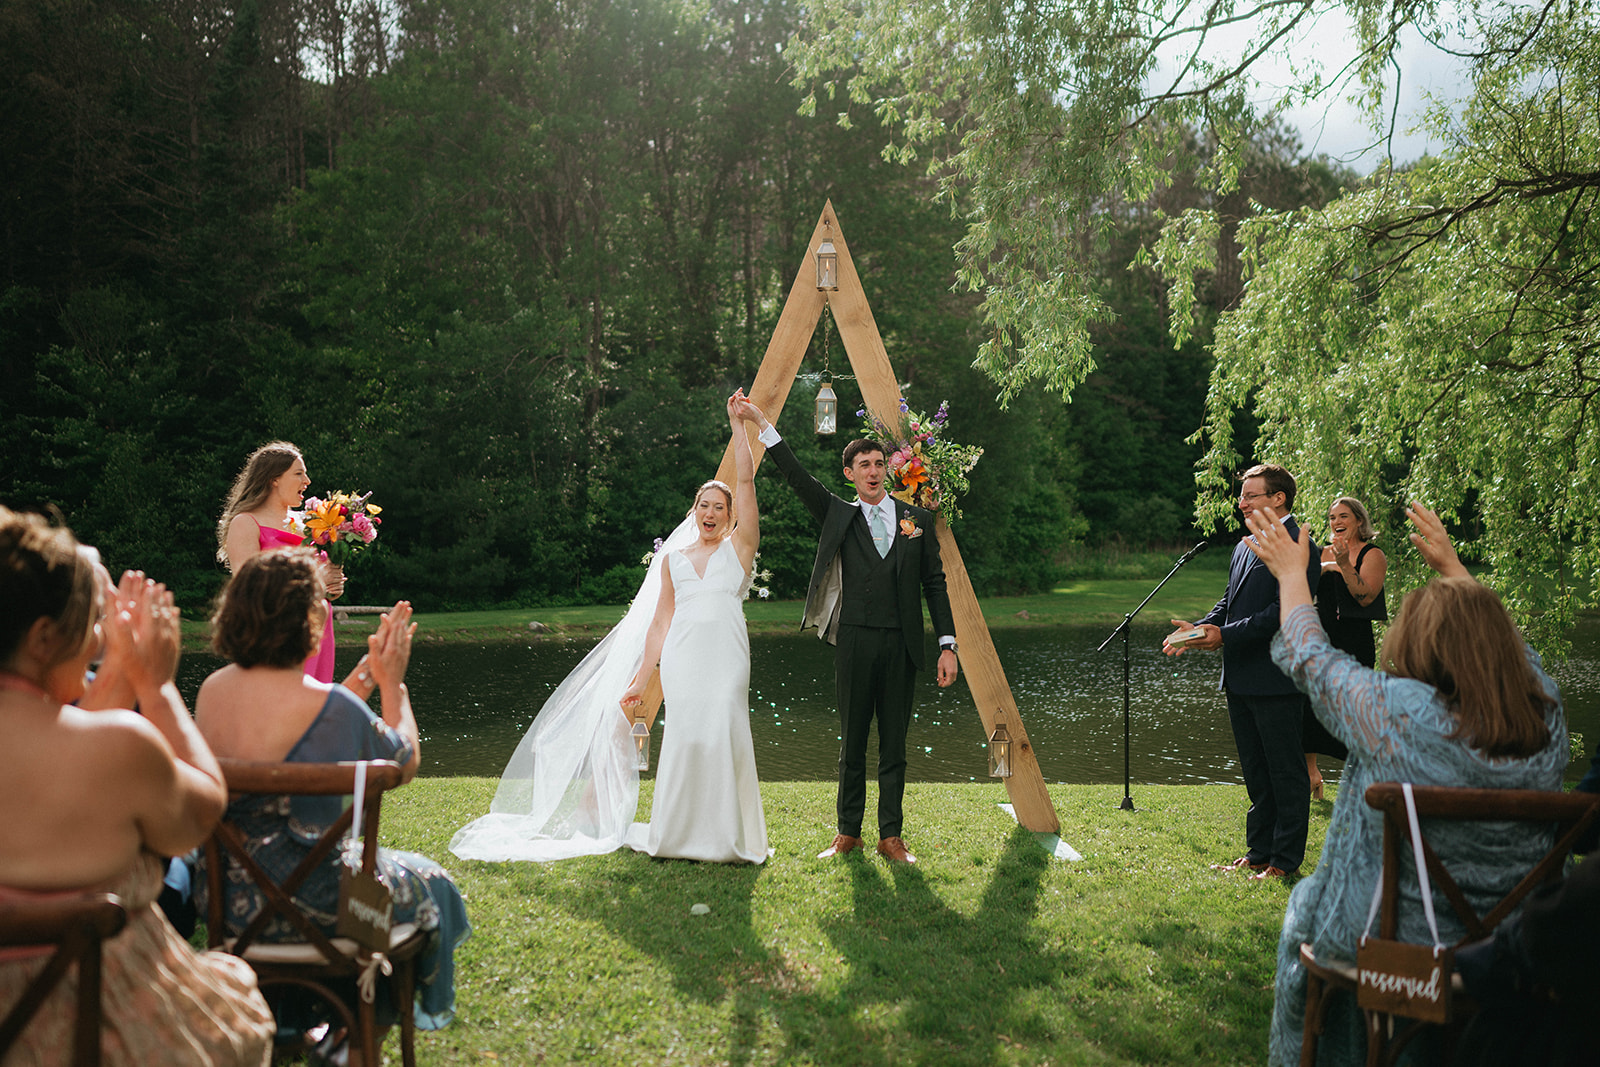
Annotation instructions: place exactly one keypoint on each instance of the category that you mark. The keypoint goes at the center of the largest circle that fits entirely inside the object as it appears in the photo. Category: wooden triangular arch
(858, 331)
(980, 663)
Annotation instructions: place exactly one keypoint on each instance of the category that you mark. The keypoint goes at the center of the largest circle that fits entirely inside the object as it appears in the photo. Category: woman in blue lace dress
(1462, 701)
(264, 707)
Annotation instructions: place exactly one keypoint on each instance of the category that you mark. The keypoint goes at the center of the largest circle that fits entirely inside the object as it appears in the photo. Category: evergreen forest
(499, 262)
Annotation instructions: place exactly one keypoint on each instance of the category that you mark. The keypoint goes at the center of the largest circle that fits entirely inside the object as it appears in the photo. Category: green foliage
(1428, 337)
(497, 265)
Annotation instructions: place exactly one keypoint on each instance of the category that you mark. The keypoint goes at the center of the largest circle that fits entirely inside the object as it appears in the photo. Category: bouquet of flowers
(340, 525)
(926, 468)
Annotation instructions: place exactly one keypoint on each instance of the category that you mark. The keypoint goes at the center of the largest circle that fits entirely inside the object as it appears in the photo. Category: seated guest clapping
(264, 707)
(1462, 701)
(92, 800)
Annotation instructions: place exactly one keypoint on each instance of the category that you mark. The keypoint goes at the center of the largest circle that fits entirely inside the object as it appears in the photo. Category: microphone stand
(1125, 628)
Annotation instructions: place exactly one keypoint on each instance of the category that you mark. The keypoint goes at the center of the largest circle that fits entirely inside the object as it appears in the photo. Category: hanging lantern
(827, 410)
(641, 742)
(999, 748)
(827, 266)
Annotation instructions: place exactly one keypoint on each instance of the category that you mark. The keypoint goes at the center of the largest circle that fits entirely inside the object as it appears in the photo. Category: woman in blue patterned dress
(264, 707)
(1462, 701)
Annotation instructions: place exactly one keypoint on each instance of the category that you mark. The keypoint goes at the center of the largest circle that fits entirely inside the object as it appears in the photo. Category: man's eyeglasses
(1245, 498)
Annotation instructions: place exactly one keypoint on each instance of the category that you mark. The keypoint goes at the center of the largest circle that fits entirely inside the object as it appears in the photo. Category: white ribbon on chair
(376, 962)
(367, 980)
(357, 828)
(1422, 875)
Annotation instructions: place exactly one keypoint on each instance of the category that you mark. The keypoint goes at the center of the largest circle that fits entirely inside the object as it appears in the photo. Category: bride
(571, 787)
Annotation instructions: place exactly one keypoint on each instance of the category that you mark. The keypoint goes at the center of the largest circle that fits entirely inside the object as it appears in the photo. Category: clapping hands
(1283, 554)
(142, 633)
(389, 650)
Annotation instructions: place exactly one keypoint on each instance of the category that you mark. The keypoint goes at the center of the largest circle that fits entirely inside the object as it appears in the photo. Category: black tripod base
(1127, 804)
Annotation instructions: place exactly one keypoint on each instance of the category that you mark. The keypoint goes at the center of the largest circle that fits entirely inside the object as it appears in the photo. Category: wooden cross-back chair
(77, 927)
(316, 958)
(1571, 814)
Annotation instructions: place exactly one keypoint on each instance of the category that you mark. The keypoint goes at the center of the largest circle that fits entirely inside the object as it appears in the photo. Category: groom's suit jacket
(915, 558)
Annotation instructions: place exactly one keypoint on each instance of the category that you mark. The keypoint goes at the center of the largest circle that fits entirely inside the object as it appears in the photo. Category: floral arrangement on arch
(340, 525)
(926, 468)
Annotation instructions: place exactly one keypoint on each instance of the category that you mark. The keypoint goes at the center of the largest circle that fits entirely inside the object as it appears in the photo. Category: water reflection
(475, 702)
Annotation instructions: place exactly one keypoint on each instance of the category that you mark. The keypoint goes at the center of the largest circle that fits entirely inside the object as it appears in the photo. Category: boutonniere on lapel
(909, 528)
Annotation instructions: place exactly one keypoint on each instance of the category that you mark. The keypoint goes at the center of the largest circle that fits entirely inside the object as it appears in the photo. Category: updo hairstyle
(727, 491)
(268, 613)
(44, 572)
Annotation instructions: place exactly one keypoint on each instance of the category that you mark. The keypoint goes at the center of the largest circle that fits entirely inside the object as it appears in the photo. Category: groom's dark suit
(870, 607)
(1265, 709)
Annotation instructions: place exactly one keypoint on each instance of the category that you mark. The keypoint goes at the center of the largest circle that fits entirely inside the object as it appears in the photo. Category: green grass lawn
(986, 952)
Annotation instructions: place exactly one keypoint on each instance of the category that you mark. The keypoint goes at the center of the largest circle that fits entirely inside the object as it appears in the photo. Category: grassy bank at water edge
(1190, 594)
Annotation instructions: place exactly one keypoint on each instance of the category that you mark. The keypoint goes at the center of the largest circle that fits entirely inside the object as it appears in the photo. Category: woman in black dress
(1349, 600)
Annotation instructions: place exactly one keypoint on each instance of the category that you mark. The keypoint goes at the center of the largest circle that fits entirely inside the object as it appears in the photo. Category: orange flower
(914, 473)
(323, 522)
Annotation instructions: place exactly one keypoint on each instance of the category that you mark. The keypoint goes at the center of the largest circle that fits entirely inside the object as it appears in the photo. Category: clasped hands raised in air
(1287, 556)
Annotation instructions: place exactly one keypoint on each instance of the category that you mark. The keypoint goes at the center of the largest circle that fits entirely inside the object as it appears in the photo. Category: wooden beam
(985, 677)
(785, 351)
(980, 663)
(986, 680)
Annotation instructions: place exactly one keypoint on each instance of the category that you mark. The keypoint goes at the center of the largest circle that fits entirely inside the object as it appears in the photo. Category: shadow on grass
(920, 969)
(922, 980)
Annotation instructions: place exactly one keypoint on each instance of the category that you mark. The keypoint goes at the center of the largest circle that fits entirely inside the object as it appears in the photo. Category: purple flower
(861, 413)
(904, 407)
(657, 546)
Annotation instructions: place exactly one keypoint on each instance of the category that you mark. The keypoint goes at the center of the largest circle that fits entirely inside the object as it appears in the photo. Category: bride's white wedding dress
(707, 803)
(571, 788)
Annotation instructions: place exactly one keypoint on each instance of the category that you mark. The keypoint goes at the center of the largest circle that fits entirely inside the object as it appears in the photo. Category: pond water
(474, 702)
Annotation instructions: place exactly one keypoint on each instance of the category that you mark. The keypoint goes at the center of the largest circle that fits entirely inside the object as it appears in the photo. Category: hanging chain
(827, 354)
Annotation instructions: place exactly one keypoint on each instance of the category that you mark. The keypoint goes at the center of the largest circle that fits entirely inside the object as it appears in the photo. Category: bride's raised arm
(747, 532)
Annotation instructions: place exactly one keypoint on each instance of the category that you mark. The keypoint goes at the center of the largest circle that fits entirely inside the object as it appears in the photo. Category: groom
(877, 559)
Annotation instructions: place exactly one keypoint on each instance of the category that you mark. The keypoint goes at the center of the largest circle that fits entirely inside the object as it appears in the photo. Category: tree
(1432, 336)
(1429, 335)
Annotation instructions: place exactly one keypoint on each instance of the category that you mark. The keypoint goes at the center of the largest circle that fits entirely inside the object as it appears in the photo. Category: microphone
(1195, 551)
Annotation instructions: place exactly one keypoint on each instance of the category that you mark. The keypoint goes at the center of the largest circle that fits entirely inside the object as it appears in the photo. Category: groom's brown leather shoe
(842, 843)
(894, 850)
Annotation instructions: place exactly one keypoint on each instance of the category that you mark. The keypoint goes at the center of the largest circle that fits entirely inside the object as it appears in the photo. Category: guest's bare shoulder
(119, 748)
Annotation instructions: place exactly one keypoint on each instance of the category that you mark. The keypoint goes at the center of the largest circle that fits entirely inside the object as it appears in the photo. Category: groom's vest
(870, 597)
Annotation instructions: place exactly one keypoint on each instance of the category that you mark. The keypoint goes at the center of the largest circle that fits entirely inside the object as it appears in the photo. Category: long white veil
(571, 788)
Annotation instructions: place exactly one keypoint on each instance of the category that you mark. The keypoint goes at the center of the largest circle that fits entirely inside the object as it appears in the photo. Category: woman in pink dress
(95, 796)
(261, 509)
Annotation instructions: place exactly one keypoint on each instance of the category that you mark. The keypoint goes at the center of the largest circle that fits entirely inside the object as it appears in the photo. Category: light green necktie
(880, 529)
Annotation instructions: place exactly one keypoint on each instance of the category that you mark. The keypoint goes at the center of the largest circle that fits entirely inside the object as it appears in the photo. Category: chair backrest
(1569, 813)
(76, 927)
(226, 845)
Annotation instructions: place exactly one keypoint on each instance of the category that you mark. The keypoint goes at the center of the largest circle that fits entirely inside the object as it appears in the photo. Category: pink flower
(362, 527)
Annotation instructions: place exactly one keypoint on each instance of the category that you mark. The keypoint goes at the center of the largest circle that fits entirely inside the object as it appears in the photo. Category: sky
(1331, 125)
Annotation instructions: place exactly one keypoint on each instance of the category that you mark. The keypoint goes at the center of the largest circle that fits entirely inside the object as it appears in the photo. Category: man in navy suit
(1264, 707)
(877, 559)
